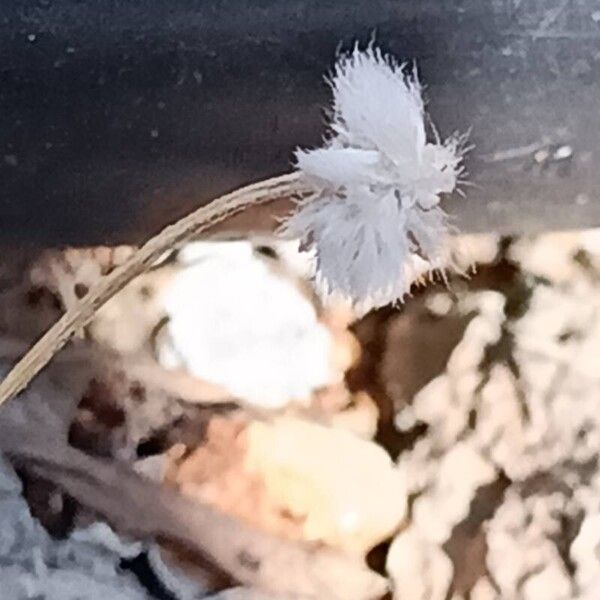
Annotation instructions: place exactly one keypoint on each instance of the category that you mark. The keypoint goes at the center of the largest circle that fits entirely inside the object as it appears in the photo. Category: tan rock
(420, 570)
(345, 490)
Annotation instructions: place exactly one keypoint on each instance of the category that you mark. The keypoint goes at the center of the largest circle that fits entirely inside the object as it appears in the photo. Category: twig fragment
(141, 506)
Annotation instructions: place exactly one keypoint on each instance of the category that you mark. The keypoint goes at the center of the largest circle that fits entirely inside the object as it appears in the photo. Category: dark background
(117, 117)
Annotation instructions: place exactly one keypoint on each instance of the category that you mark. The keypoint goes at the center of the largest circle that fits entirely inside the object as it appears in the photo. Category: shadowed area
(116, 118)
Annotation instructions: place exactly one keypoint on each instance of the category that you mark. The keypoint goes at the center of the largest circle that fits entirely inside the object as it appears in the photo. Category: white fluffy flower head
(376, 217)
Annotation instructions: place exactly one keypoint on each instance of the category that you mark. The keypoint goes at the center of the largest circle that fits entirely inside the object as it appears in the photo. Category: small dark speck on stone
(266, 251)
(80, 290)
(146, 292)
(248, 561)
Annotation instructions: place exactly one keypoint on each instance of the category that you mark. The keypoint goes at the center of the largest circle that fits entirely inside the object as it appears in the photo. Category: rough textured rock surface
(484, 393)
(503, 468)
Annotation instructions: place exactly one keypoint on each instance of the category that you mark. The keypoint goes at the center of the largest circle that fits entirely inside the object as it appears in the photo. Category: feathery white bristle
(379, 183)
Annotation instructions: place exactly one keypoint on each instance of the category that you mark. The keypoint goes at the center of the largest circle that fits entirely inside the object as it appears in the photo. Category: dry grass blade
(171, 237)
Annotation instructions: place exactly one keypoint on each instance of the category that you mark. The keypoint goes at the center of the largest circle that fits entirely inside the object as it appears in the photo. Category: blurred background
(118, 117)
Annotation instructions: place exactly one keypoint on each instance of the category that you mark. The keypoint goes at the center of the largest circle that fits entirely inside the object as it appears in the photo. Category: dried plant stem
(140, 506)
(169, 238)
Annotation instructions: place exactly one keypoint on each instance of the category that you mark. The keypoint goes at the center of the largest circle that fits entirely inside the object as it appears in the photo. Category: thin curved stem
(169, 238)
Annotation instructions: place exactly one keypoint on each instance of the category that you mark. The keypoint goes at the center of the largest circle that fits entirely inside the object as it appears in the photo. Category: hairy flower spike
(376, 217)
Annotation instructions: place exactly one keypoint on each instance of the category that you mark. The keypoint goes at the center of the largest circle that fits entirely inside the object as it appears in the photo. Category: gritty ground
(458, 455)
